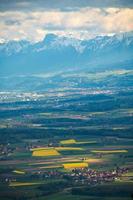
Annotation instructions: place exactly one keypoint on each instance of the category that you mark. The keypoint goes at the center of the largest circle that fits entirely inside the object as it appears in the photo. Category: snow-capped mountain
(61, 53)
(13, 47)
(52, 41)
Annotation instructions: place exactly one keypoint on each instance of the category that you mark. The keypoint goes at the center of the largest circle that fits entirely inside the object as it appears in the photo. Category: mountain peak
(49, 38)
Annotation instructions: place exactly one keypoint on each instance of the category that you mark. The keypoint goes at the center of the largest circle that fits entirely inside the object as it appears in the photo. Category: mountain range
(56, 53)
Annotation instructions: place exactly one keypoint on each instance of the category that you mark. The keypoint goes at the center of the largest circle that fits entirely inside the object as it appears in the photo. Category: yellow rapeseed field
(68, 148)
(56, 148)
(46, 152)
(75, 165)
(17, 184)
(19, 172)
(70, 141)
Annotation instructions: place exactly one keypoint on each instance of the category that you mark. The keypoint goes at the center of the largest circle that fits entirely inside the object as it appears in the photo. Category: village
(77, 176)
(86, 176)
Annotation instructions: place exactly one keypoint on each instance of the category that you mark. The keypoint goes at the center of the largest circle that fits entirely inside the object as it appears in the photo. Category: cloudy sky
(33, 19)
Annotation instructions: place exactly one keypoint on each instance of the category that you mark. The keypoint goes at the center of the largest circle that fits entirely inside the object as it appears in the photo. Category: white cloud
(86, 22)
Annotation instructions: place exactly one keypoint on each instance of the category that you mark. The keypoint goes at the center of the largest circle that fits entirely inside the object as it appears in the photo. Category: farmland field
(45, 152)
(109, 151)
(50, 152)
(75, 165)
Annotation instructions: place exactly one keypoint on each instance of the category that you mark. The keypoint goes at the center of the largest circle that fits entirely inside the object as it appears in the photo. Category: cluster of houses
(90, 176)
(76, 176)
(85, 175)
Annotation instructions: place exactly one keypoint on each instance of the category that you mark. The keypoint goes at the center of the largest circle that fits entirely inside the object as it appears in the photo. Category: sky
(33, 19)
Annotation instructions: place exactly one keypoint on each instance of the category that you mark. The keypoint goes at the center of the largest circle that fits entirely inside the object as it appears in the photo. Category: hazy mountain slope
(69, 80)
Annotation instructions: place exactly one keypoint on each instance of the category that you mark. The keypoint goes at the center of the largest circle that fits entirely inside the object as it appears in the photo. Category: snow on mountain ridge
(52, 41)
(13, 47)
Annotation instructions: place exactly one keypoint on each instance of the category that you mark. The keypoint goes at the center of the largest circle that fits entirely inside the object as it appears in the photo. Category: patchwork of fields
(49, 149)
